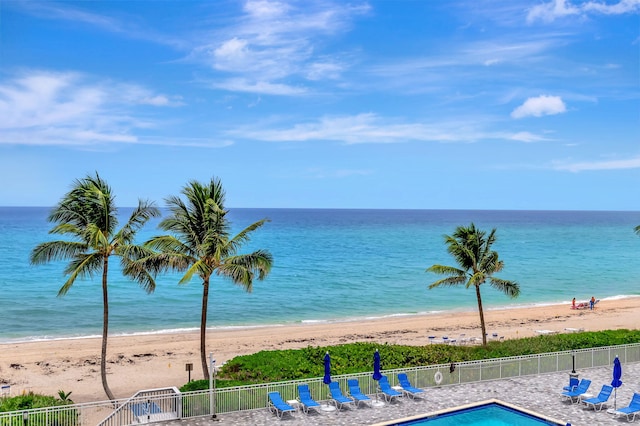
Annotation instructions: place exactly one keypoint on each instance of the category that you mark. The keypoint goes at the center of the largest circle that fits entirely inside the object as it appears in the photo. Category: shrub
(30, 400)
(294, 364)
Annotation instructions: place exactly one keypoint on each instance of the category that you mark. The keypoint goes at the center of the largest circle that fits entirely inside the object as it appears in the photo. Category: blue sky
(474, 104)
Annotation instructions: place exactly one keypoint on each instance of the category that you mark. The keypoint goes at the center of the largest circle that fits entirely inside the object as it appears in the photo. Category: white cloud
(337, 174)
(620, 8)
(264, 9)
(324, 70)
(56, 108)
(64, 12)
(276, 40)
(231, 55)
(371, 128)
(527, 137)
(259, 87)
(629, 163)
(554, 9)
(537, 107)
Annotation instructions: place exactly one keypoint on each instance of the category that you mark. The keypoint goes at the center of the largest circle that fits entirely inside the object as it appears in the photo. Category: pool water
(485, 415)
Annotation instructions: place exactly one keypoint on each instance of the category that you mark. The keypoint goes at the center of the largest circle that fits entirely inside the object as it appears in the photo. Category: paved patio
(539, 393)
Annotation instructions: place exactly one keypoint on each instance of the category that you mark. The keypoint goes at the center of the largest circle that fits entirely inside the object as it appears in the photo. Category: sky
(400, 104)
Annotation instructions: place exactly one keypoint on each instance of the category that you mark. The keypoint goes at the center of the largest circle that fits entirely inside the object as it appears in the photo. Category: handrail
(142, 397)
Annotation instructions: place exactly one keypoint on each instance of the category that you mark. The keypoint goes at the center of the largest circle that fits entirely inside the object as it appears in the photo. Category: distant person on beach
(573, 303)
(592, 302)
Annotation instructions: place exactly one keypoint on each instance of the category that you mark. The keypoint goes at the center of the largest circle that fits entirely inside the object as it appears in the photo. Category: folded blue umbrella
(327, 369)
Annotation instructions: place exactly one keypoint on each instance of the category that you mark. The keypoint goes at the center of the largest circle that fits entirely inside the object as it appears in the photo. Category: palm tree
(200, 244)
(477, 263)
(88, 215)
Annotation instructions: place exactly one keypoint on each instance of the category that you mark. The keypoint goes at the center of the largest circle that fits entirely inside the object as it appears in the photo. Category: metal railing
(147, 406)
(251, 397)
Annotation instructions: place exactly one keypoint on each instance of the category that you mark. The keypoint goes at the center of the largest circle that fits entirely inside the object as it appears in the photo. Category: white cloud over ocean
(68, 108)
(539, 106)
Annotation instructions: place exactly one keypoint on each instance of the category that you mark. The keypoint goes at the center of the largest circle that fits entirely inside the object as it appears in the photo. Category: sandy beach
(153, 361)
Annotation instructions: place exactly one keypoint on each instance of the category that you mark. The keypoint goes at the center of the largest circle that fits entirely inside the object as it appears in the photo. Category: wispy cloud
(539, 106)
(372, 128)
(258, 87)
(56, 108)
(528, 137)
(463, 68)
(275, 42)
(129, 28)
(555, 9)
(337, 174)
(629, 163)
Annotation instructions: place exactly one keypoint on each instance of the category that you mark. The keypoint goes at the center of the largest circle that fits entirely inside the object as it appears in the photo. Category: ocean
(329, 265)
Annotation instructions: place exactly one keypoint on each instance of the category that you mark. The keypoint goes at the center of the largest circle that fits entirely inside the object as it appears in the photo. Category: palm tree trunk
(482, 325)
(105, 330)
(203, 328)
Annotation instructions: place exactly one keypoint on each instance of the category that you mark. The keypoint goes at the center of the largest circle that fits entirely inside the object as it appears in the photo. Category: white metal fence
(225, 400)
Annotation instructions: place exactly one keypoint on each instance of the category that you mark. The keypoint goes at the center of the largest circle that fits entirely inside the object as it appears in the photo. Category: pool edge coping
(472, 405)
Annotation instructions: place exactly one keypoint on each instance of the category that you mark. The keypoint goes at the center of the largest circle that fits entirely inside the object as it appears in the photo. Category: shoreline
(147, 361)
(308, 322)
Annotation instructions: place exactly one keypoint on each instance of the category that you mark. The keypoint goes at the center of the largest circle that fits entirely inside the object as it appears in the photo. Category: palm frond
(139, 217)
(140, 274)
(446, 270)
(170, 244)
(97, 239)
(510, 288)
(56, 250)
(476, 279)
(244, 236)
(449, 282)
(199, 268)
(67, 228)
(83, 265)
(164, 262)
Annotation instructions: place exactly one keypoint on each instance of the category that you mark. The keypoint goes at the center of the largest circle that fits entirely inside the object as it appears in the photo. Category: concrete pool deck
(539, 393)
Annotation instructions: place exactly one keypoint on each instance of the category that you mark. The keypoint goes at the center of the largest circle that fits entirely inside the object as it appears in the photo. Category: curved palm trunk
(482, 326)
(105, 330)
(203, 328)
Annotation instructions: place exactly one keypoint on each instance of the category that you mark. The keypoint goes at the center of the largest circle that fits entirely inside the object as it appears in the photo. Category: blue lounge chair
(278, 406)
(389, 393)
(573, 383)
(409, 390)
(307, 402)
(631, 410)
(338, 398)
(139, 410)
(356, 393)
(601, 400)
(577, 393)
(145, 408)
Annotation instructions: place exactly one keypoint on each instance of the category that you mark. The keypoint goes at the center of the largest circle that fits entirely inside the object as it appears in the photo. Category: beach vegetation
(64, 396)
(200, 244)
(87, 216)
(297, 364)
(30, 400)
(477, 262)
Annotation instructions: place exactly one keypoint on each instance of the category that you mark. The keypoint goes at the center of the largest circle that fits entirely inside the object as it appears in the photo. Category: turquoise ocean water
(329, 265)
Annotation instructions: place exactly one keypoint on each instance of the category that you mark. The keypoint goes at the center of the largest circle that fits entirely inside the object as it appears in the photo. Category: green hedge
(30, 400)
(295, 364)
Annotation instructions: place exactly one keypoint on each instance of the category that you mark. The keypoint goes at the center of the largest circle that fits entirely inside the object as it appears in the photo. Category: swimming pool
(486, 413)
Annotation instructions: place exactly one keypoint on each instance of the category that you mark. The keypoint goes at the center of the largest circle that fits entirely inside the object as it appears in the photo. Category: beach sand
(158, 360)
